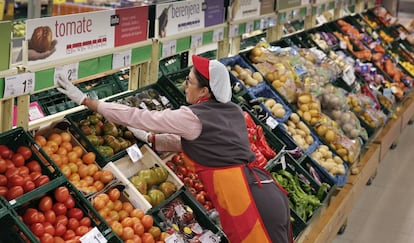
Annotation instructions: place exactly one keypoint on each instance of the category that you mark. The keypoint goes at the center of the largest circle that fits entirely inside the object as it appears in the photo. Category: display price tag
(169, 48)
(173, 239)
(209, 237)
(19, 84)
(69, 71)
(121, 59)
(196, 40)
(234, 30)
(35, 113)
(134, 153)
(318, 10)
(93, 236)
(218, 34)
(271, 122)
(402, 36)
(272, 21)
(249, 27)
(308, 10)
(283, 162)
(264, 23)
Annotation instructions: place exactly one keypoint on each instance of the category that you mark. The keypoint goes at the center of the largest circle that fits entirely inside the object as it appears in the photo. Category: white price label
(35, 113)
(164, 100)
(375, 35)
(249, 27)
(93, 236)
(288, 16)
(402, 36)
(342, 45)
(271, 122)
(121, 59)
(169, 48)
(308, 10)
(19, 84)
(143, 105)
(218, 34)
(173, 239)
(134, 153)
(196, 40)
(179, 210)
(264, 23)
(321, 19)
(69, 71)
(196, 228)
(283, 162)
(318, 10)
(155, 101)
(234, 30)
(272, 21)
(209, 237)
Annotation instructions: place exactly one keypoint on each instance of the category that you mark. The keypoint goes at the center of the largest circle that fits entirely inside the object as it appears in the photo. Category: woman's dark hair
(203, 82)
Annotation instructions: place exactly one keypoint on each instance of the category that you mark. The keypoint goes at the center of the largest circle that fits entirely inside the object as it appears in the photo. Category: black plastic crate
(17, 137)
(200, 216)
(13, 229)
(80, 202)
(173, 84)
(288, 169)
(101, 87)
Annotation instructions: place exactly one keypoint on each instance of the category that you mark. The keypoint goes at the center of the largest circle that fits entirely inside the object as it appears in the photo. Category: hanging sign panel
(183, 16)
(62, 37)
(242, 9)
(285, 4)
(5, 42)
(267, 7)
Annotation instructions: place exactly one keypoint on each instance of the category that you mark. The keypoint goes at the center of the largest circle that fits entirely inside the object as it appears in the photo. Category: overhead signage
(62, 37)
(184, 16)
(242, 9)
(5, 44)
(267, 7)
(285, 4)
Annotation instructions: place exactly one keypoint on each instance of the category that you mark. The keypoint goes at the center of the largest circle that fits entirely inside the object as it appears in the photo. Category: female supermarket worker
(213, 136)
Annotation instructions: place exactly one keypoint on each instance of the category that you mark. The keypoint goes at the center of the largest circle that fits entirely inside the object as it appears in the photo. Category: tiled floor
(384, 213)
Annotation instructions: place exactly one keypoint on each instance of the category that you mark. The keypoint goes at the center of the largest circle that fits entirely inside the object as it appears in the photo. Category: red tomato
(3, 180)
(59, 208)
(9, 164)
(81, 230)
(58, 239)
(5, 152)
(50, 216)
(200, 198)
(41, 180)
(3, 191)
(3, 165)
(37, 229)
(34, 166)
(62, 219)
(31, 216)
(46, 238)
(34, 175)
(25, 152)
(15, 180)
(75, 213)
(11, 172)
(69, 234)
(86, 221)
(18, 159)
(14, 192)
(70, 202)
(23, 170)
(45, 204)
(49, 228)
(61, 194)
(29, 186)
(73, 223)
(60, 229)
(41, 216)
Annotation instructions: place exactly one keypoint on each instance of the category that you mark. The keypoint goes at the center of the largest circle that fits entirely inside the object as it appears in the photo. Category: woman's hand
(70, 90)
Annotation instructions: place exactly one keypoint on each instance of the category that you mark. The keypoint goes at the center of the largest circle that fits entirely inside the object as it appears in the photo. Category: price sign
(234, 30)
(318, 10)
(402, 36)
(283, 162)
(272, 21)
(93, 236)
(121, 59)
(249, 27)
(134, 153)
(35, 113)
(264, 23)
(196, 40)
(169, 48)
(19, 84)
(271, 122)
(337, 4)
(218, 34)
(308, 10)
(209, 237)
(173, 239)
(69, 71)
(288, 16)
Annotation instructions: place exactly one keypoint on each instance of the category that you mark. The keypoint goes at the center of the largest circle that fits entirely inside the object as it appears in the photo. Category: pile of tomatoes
(129, 223)
(190, 180)
(56, 218)
(76, 164)
(19, 173)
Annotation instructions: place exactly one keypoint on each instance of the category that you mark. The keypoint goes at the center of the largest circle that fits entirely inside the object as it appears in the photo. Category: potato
(304, 107)
(294, 117)
(337, 160)
(309, 139)
(314, 106)
(342, 152)
(291, 124)
(257, 76)
(269, 103)
(303, 127)
(278, 112)
(305, 98)
(306, 116)
(301, 133)
(330, 136)
(277, 84)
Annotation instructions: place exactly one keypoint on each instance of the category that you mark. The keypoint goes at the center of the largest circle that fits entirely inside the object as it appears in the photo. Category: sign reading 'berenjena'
(183, 16)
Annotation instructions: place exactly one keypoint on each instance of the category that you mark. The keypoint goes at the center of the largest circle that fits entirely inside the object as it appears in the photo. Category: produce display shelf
(407, 111)
(389, 135)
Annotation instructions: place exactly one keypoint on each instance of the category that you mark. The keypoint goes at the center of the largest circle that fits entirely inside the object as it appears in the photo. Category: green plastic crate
(18, 137)
(173, 84)
(13, 229)
(199, 213)
(80, 202)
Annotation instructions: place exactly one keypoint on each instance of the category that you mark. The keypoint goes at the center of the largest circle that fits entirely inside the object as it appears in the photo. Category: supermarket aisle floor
(385, 211)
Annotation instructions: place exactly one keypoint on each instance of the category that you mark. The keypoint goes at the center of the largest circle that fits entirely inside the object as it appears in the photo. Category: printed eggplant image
(163, 21)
